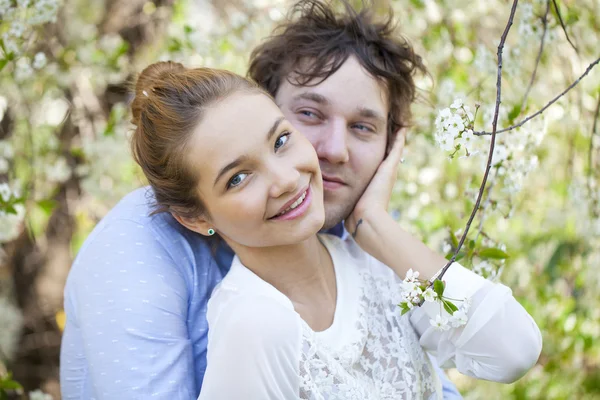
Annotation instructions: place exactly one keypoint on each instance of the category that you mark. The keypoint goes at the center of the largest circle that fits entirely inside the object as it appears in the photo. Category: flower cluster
(39, 395)
(12, 212)
(18, 22)
(454, 128)
(416, 291)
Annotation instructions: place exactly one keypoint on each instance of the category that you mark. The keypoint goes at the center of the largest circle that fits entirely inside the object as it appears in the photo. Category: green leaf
(404, 308)
(453, 239)
(493, 253)
(3, 63)
(438, 287)
(514, 113)
(449, 307)
(47, 206)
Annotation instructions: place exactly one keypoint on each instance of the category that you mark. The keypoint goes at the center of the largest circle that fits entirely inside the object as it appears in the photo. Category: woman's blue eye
(281, 140)
(308, 113)
(236, 180)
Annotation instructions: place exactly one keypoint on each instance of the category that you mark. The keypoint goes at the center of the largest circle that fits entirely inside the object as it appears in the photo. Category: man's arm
(126, 335)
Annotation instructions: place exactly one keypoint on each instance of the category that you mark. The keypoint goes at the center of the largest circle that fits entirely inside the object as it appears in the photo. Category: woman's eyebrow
(241, 159)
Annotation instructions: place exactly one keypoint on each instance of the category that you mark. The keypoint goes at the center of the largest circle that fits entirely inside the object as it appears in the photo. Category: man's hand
(379, 191)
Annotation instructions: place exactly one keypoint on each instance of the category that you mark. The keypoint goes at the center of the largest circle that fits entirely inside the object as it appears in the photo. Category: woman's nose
(285, 179)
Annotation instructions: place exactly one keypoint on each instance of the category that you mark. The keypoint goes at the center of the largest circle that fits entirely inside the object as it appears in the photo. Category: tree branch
(493, 141)
(510, 128)
(562, 24)
(539, 57)
(594, 132)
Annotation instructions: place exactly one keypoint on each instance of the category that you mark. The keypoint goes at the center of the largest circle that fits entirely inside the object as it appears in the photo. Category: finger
(395, 153)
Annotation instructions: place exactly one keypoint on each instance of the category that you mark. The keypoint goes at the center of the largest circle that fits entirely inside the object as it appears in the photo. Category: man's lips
(332, 182)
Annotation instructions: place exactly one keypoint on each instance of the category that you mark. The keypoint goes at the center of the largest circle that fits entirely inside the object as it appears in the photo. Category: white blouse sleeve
(253, 351)
(500, 341)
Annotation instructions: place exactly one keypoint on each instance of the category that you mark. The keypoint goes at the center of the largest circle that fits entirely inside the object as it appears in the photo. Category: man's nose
(331, 145)
(285, 179)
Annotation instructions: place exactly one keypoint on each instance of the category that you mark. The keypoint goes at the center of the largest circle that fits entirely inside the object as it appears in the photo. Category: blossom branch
(594, 132)
(562, 24)
(538, 59)
(492, 144)
(540, 111)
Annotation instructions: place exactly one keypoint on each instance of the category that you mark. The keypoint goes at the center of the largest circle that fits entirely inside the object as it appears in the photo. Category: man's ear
(196, 224)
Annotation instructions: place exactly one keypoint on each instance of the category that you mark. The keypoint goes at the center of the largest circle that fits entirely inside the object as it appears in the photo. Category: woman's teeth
(294, 205)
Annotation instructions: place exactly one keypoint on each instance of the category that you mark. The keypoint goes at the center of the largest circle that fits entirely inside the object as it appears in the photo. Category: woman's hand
(376, 197)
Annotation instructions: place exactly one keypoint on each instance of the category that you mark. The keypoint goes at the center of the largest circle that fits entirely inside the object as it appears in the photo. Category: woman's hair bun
(150, 77)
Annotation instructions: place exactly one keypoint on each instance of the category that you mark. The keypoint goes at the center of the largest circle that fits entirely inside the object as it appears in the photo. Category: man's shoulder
(133, 217)
(130, 229)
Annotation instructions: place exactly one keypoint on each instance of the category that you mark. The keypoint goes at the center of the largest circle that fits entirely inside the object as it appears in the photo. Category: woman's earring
(211, 231)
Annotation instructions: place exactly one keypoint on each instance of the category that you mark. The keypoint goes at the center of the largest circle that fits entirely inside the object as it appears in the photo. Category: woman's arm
(253, 350)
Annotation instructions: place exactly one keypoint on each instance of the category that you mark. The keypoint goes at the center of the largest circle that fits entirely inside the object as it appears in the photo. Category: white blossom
(39, 61)
(4, 6)
(59, 171)
(5, 192)
(39, 395)
(23, 69)
(458, 103)
(4, 165)
(466, 140)
(440, 323)
(411, 275)
(17, 29)
(11, 321)
(44, 11)
(459, 318)
(429, 295)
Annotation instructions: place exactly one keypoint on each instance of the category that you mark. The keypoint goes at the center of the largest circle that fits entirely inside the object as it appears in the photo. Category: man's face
(345, 119)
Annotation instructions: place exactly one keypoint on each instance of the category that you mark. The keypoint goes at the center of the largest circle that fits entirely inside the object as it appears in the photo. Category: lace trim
(386, 363)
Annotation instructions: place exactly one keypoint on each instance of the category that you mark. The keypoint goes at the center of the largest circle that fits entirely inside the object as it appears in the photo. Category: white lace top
(260, 348)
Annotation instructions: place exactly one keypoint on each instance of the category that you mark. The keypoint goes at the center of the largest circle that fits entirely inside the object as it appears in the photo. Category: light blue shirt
(136, 301)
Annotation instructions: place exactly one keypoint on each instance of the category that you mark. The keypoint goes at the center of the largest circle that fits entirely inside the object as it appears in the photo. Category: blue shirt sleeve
(448, 388)
(126, 335)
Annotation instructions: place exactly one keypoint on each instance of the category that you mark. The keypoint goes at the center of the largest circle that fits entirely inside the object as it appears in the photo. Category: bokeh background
(66, 67)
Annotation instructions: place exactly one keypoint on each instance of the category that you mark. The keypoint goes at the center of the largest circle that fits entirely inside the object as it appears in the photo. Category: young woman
(302, 315)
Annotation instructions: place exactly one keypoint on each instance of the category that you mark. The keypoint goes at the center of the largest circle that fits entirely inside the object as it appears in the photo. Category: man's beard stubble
(336, 213)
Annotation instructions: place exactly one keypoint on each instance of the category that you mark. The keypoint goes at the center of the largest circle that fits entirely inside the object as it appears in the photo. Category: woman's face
(258, 178)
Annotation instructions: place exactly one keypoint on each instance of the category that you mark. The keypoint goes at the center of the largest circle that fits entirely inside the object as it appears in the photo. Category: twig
(562, 24)
(539, 57)
(591, 170)
(493, 141)
(510, 128)
(594, 132)
(486, 203)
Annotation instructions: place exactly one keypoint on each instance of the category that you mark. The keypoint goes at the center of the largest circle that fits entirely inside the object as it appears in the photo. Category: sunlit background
(65, 70)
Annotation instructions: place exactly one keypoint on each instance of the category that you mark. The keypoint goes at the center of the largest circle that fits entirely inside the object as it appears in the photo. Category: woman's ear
(196, 224)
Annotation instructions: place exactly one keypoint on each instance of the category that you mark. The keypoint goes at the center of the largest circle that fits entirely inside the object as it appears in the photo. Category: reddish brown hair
(169, 103)
(316, 40)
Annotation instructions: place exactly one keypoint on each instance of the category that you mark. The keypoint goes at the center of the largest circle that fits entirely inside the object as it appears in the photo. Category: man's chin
(334, 214)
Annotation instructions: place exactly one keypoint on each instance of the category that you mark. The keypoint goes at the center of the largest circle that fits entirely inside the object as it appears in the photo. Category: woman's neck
(303, 272)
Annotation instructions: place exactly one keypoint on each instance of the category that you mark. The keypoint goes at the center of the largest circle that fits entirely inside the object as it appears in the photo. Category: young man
(137, 294)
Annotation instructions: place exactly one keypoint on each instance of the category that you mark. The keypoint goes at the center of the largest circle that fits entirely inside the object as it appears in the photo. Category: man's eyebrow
(371, 114)
(317, 98)
(241, 159)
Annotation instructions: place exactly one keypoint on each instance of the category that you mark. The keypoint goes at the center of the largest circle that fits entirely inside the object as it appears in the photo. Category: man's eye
(364, 128)
(236, 180)
(308, 113)
(281, 140)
